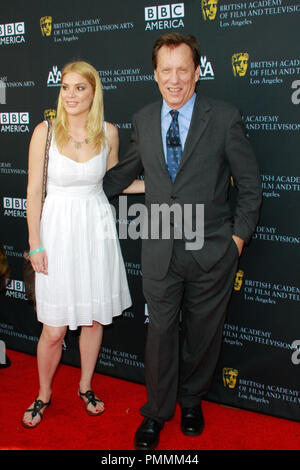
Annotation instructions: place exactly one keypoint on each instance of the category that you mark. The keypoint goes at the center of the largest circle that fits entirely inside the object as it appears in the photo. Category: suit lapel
(198, 124)
(157, 138)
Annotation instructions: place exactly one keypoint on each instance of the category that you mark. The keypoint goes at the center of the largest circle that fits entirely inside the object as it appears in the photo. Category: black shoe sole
(152, 447)
(186, 432)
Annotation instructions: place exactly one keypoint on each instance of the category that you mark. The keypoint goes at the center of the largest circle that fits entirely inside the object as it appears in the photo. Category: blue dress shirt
(184, 120)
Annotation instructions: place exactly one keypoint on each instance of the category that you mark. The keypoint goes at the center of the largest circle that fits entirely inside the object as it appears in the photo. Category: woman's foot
(34, 414)
(93, 405)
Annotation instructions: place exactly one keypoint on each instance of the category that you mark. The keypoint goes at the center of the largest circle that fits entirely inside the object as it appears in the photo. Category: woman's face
(76, 94)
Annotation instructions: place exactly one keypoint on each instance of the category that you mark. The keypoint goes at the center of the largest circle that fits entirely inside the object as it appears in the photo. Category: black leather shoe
(192, 421)
(147, 435)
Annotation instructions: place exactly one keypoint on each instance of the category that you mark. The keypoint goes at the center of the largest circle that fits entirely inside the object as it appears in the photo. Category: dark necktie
(174, 149)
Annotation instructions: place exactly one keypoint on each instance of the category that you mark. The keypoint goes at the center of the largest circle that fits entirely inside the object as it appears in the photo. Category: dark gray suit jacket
(216, 149)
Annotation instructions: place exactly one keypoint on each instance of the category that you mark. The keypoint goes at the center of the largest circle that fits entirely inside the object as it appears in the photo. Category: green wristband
(39, 249)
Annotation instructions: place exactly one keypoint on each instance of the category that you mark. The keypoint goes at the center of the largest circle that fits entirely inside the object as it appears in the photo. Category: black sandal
(90, 396)
(37, 408)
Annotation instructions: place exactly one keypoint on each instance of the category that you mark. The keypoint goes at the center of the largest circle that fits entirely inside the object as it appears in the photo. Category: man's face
(176, 75)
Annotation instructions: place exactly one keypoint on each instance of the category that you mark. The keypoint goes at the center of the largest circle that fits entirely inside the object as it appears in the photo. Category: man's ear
(197, 73)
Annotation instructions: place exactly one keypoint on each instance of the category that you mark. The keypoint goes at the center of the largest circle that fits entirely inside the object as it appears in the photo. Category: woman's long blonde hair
(95, 119)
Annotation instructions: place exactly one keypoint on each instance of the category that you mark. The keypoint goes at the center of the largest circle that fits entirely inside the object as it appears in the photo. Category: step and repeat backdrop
(249, 57)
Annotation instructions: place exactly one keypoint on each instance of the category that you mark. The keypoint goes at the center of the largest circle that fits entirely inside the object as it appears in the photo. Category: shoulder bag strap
(47, 147)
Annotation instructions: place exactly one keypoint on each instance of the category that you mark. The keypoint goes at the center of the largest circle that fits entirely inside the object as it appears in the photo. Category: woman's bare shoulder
(112, 130)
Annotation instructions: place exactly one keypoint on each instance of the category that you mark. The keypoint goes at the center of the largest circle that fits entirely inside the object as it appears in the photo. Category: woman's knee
(53, 335)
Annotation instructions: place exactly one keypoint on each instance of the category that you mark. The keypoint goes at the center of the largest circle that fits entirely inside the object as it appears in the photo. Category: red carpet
(66, 426)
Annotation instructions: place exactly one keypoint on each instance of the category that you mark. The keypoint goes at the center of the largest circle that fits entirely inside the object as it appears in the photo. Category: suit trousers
(187, 311)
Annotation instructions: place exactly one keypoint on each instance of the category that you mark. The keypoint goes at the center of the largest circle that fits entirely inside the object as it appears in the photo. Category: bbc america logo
(11, 29)
(16, 289)
(14, 118)
(14, 284)
(12, 33)
(14, 122)
(164, 12)
(14, 206)
(164, 17)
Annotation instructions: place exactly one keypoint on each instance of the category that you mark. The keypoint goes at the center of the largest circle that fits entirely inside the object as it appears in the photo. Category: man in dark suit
(189, 147)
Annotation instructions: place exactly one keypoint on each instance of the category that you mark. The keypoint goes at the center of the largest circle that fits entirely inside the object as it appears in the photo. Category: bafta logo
(209, 9)
(49, 114)
(229, 377)
(46, 25)
(238, 281)
(240, 64)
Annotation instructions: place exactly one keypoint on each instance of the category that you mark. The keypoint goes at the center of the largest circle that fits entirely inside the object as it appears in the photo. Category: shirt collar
(186, 110)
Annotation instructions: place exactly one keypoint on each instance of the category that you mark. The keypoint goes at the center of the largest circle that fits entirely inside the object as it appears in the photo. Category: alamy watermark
(2, 92)
(162, 222)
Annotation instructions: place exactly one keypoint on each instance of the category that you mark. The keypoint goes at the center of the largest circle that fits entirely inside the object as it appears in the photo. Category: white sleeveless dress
(86, 278)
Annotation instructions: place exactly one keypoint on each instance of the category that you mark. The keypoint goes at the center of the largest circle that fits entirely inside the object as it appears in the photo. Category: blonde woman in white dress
(80, 275)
